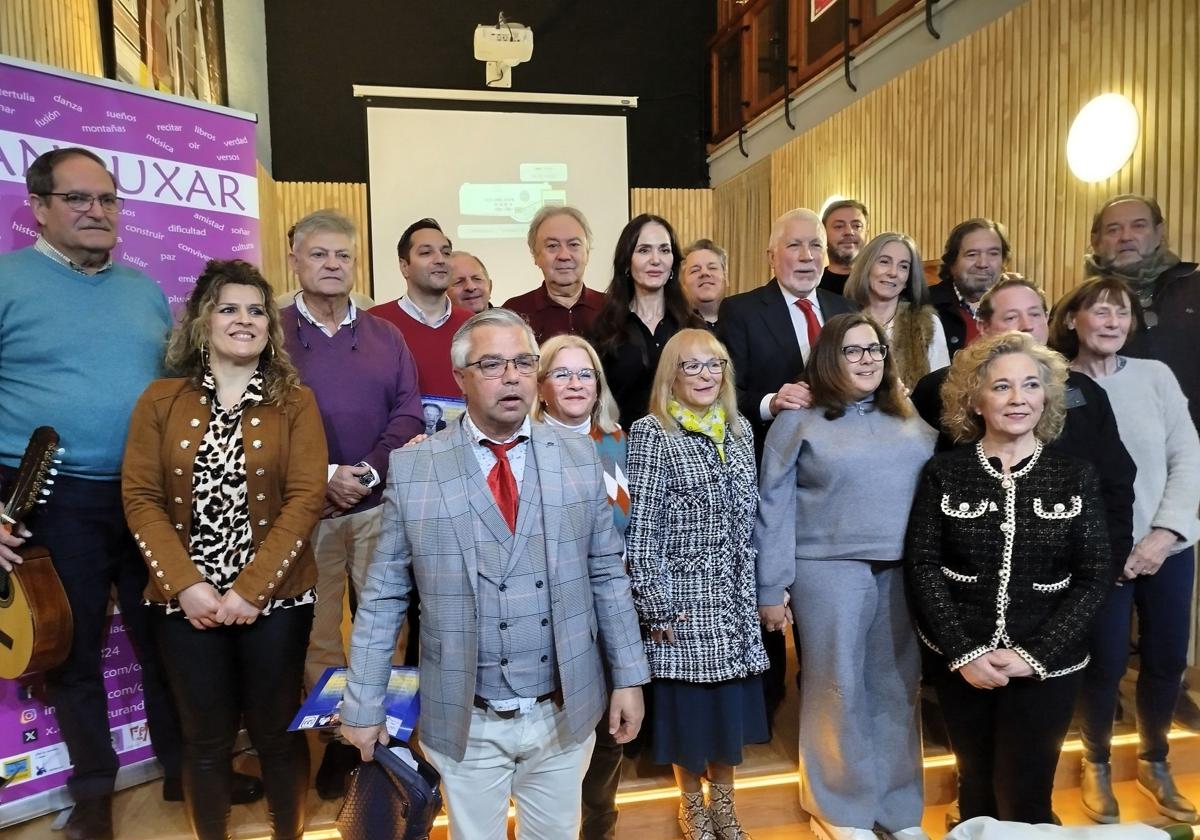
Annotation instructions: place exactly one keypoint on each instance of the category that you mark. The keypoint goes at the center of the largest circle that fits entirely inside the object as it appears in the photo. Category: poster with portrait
(437, 412)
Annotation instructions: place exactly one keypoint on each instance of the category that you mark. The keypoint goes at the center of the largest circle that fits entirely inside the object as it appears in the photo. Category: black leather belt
(555, 695)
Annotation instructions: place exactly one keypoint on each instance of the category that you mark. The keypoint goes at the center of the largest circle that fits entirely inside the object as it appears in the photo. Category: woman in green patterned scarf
(693, 496)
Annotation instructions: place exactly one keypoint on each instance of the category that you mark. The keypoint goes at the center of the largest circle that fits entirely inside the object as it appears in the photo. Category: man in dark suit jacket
(769, 332)
(767, 329)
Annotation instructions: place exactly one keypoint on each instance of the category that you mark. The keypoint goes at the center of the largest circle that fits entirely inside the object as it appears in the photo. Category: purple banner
(187, 172)
(32, 755)
(188, 176)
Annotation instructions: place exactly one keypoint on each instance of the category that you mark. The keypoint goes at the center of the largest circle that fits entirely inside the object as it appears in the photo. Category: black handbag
(388, 799)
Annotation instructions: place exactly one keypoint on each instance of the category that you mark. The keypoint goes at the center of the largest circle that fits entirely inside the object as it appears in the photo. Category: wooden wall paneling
(291, 201)
(690, 212)
(980, 129)
(742, 224)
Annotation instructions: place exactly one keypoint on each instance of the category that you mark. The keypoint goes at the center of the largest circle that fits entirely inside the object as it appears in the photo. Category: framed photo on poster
(172, 46)
(820, 7)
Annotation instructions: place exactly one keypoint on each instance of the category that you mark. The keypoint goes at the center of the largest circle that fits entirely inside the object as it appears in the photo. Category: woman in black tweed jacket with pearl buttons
(1008, 562)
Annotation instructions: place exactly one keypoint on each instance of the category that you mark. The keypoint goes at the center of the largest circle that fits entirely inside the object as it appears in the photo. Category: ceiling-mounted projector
(502, 47)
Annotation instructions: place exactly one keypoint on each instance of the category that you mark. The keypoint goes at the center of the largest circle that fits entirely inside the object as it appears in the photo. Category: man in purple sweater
(365, 380)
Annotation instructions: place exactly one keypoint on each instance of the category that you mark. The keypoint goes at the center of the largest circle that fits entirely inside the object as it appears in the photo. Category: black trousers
(599, 820)
(221, 676)
(82, 525)
(1006, 740)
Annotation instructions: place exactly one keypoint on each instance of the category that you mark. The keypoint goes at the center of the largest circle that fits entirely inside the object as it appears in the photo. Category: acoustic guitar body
(35, 618)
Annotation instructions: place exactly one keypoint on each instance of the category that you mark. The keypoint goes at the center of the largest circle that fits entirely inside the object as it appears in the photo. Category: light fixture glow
(789, 779)
(825, 204)
(1102, 137)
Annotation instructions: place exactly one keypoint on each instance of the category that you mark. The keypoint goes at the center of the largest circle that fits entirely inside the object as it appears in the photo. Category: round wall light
(1102, 137)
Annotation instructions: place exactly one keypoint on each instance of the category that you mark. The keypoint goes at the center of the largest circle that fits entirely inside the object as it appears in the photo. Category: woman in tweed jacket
(694, 496)
(1009, 561)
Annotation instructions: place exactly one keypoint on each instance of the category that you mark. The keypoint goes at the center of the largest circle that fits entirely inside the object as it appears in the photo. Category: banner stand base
(46, 802)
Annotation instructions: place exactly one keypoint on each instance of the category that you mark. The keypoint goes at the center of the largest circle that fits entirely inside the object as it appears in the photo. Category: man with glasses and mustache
(365, 380)
(845, 224)
(505, 529)
(82, 337)
(976, 254)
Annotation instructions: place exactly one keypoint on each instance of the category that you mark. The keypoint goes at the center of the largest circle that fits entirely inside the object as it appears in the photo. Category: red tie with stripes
(502, 482)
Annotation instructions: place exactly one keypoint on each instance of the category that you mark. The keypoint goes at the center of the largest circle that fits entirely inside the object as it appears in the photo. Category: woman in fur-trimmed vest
(888, 283)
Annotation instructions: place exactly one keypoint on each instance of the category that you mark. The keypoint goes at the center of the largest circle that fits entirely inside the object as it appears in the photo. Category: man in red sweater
(425, 314)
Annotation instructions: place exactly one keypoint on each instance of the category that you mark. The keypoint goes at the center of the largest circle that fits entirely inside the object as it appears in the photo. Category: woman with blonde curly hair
(223, 482)
(1008, 562)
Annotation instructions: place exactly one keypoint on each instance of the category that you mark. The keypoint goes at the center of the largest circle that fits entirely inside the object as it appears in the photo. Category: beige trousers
(343, 546)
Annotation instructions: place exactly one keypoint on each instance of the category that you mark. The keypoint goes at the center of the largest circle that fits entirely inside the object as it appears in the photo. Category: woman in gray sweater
(836, 484)
(1089, 327)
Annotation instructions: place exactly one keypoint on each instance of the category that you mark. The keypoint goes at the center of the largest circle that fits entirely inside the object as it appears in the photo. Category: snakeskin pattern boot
(694, 821)
(724, 820)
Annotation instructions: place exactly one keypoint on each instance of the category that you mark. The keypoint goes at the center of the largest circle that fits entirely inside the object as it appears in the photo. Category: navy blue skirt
(695, 723)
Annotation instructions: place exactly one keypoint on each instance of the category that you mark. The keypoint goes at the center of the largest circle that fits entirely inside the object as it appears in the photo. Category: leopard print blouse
(221, 543)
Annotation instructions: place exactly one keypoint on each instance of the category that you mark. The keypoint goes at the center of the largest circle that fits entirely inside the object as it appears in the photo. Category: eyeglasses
(493, 367)
(82, 202)
(855, 352)
(714, 366)
(562, 375)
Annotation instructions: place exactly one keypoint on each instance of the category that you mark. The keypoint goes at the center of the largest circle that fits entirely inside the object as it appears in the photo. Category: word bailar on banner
(187, 173)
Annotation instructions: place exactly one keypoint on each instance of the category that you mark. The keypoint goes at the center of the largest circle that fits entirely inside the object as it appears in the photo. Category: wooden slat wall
(64, 33)
(981, 129)
(282, 203)
(742, 222)
(690, 212)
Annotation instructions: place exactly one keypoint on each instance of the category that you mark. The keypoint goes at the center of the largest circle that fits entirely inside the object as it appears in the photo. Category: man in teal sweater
(80, 339)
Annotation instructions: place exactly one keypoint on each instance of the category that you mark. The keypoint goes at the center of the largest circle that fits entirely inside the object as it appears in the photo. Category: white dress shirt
(801, 327)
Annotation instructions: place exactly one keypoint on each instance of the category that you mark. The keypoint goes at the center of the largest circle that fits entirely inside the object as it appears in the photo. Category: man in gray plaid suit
(505, 528)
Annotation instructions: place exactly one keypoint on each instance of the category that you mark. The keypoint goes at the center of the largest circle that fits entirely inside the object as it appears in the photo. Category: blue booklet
(322, 708)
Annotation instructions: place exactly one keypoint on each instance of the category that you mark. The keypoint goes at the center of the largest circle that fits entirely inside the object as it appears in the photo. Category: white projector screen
(482, 175)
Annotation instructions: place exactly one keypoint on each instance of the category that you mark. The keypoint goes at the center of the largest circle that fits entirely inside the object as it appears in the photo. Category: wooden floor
(768, 813)
(767, 794)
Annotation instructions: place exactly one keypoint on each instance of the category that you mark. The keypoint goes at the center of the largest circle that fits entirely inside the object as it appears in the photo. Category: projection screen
(482, 169)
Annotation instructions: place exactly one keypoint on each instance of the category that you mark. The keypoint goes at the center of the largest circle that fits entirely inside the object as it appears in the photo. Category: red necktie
(810, 319)
(502, 482)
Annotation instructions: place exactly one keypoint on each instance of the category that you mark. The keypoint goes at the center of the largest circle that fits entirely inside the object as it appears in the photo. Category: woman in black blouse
(643, 308)
(1008, 561)
(223, 482)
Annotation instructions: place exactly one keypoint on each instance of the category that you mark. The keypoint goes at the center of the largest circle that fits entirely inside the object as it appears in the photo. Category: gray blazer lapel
(452, 471)
(479, 494)
(545, 451)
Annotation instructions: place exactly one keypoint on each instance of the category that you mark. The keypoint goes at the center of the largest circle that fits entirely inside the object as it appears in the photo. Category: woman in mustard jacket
(223, 481)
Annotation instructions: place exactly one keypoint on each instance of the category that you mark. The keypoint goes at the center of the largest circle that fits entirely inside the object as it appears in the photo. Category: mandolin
(35, 617)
